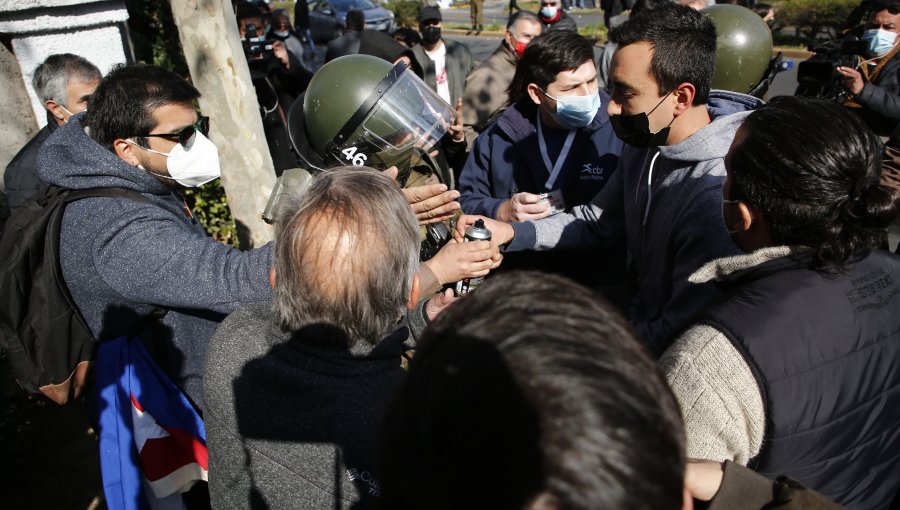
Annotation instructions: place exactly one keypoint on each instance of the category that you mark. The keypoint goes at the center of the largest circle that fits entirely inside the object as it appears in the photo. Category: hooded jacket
(671, 226)
(122, 259)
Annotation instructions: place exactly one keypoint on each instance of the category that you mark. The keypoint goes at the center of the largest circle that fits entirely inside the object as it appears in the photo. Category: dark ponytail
(812, 168)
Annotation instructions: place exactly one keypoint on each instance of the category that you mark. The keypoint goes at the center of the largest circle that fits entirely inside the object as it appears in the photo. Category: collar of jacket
(729, 271)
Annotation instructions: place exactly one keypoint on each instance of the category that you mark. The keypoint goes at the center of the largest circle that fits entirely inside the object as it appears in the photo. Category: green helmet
(362, 110)
(743, 48)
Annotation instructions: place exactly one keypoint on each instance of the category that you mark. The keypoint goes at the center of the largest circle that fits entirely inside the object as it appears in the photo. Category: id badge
(556, 201)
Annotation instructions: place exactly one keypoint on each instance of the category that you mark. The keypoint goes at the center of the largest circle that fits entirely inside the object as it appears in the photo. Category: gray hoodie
(671, 227)
(122, 259)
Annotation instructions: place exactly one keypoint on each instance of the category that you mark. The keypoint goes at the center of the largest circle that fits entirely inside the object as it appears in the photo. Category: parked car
(327, 17)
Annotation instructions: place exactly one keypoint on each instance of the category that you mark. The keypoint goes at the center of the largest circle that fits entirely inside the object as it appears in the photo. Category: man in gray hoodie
(664, 202)
(122, 259)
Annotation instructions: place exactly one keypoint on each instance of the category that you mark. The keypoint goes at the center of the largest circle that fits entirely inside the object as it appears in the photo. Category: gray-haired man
(64, 83)
(294, 390)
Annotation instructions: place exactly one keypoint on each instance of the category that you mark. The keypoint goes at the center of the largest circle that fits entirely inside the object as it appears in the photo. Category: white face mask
(191, 167)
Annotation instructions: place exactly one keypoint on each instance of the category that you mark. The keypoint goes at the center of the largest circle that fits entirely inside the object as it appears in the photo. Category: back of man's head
(356, 20)
(683, 42)
(346, 255)
(532, 392)
(124, 102)
(57, 71)
(546, 56)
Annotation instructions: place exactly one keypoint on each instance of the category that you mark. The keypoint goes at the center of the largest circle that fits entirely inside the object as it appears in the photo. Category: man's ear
(534, 92)
(272, 277)
(55, 109)
(684, 95)
(746, 217)
(126, 151)
(414, 291)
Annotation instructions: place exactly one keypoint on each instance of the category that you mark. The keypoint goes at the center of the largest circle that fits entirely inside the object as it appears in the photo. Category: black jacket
(881, 99)
(347, 44)
(824, 349)
(21, 179)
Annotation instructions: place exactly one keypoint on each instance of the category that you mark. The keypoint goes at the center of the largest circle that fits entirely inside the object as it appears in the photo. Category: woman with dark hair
(797, 369)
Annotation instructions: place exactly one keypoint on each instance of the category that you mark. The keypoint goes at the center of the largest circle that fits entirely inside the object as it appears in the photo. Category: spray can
(476, 232)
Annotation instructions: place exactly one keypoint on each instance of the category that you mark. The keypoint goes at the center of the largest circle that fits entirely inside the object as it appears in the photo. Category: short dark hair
(640, 5)
(812, 170)
(683, 42)
(356, 20)
(124, 102)
(248, 10)
(546, 56)
(532, 386)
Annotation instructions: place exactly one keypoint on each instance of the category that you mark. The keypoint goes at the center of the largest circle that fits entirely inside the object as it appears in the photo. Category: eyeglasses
(185, 135)
(548, 4)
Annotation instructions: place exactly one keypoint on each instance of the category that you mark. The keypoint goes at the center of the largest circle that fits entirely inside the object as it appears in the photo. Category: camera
(817, 77)
(256, 48)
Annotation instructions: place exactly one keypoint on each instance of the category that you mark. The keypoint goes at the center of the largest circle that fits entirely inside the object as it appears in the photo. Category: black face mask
(635, 129)
(431, 35)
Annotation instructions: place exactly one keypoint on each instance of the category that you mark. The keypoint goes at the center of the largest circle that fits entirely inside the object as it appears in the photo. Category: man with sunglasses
(122, 259)
(554, 17)
(874, 84)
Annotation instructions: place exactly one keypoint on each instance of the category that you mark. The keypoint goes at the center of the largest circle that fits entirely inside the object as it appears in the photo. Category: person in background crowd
(446, 63)
(874, 84)
(295, 389)
(281, 31)
(278, 79)
(476, 12)
(348, 43)
(301, 23)
(554, 17)
(824, 408)
(485, 92)
(64, 83)
(663, 202)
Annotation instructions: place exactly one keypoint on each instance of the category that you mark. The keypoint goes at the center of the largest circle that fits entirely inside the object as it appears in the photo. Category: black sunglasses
(184, 136)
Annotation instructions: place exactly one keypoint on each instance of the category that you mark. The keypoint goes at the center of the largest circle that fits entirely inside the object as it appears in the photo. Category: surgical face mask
(879, 41)
(635, 129)
(549, 11)
(431, 34)
(191, 167)
(282, 33)
(573, 112)
(67, 111)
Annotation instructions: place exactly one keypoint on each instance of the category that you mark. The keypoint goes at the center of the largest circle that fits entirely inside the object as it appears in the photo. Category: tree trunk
(215, 57)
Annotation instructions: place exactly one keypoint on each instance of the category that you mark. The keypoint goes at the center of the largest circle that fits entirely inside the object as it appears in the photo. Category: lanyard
(553, 169)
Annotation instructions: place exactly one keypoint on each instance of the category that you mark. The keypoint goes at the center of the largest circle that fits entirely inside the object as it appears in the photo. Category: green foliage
(211, 209)
(813, 18)
(597, 32)
(406, 12)
(155, 39)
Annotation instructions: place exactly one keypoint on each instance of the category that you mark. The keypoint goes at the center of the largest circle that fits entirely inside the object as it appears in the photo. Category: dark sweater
(292, 421)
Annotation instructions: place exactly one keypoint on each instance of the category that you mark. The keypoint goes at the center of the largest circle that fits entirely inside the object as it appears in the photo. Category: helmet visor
(408, 119)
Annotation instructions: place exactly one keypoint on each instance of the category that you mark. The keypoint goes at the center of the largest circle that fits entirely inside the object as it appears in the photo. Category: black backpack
(49, 345)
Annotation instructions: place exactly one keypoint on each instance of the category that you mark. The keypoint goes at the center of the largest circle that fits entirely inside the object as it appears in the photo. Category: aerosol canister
(476, 232)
